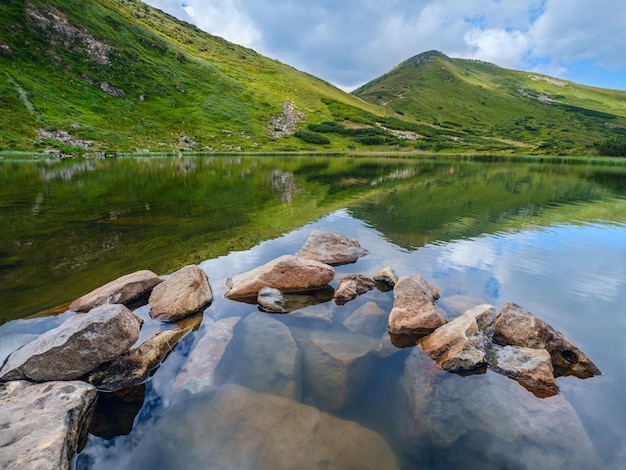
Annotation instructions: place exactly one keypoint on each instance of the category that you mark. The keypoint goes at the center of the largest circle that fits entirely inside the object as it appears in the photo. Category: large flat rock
(40, 425)
(332, 249)
(119, 291)
(79, 345)
(287, 273)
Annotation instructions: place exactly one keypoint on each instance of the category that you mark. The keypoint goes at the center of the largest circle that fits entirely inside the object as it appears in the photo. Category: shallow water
(549, 238)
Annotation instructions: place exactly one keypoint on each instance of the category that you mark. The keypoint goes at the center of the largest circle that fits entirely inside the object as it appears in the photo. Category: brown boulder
(462, 344)
(413, 311)
(134, 366)
(287, 273)
(386, 276)
(119, 291)
(332, 249)
(76, 347)
(184, 293)
(530, 367)
(516, 326)
(351, 286)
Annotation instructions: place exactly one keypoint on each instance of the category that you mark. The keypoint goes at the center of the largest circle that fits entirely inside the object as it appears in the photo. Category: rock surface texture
(351, 286)
(516, 326)
(386, 276)
(184, 293)
(332, 249)
(133, 367)
(119, 291)
(41, 424)
(462, 344)
(287, 273)
(76, 347)
(413, 311)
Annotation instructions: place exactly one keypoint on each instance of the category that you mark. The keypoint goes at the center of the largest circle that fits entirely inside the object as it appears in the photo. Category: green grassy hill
(121, 75)
(470, 99)
(118, 75)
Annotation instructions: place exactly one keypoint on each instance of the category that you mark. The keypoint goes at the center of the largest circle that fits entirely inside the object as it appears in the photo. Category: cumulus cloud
(349, 43)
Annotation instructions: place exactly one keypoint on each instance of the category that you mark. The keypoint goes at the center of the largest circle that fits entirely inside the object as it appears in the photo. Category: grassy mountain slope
(127, 76)
(472, 98)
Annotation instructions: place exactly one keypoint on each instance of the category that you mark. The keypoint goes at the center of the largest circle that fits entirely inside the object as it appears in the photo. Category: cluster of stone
(96, 349)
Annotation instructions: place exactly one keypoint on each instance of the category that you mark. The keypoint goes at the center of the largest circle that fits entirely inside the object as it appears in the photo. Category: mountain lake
(549, 237)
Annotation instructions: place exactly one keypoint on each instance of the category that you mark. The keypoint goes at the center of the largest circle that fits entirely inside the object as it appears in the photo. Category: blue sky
(350, 42)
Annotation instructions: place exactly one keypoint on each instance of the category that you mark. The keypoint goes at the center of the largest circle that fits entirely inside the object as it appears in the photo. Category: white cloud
(349, 43)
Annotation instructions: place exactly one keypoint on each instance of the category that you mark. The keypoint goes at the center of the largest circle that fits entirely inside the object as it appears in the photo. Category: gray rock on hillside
(119, 291)
(242, 429)
(132, 367)
(351, 286)
(332, 249)
(413, 311)
(287, 273)
(516, 326)
(462, 344)
(184, 293)
(41, 424)
(76, 347)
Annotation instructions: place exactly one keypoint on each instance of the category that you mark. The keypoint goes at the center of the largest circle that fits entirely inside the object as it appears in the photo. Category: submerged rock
(413, 311)
(462, 344)
(287, 273)
(516, 326)
(488, 420)
(119, 291)
(198, 372)
(237, 428)
(265, 357)
(76, 347)
(186, 292)
(272, 300)
(351, 286)
(332, 249)
(335, 365)
(369, 319)
(530, 367)
(41, 425)
(134, 366)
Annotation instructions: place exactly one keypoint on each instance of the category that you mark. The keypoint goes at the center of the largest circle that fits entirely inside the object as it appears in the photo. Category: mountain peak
(428, 56)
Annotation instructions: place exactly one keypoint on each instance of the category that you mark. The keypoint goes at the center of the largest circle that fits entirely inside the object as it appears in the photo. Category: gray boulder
(41, 424)
(119, 291)
(134, 366)
(516, 326)
(274, 301)
(332, 249)
(76, 347)
(287, 273)
(186, 292)
(413, 311)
